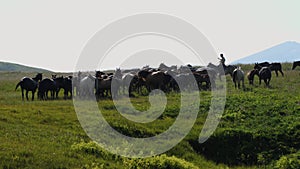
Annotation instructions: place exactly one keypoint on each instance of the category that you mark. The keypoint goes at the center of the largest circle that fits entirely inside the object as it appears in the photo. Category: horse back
(275, 66)
(28, 84)
(265, 72)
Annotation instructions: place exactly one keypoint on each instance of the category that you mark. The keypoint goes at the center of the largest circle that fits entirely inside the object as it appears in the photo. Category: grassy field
(260, 128)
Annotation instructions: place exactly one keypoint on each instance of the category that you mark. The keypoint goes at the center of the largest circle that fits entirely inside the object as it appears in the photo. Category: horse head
(39, 76)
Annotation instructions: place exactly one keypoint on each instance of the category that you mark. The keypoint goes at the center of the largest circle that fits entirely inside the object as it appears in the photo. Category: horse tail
(18, 85)
(234, 74)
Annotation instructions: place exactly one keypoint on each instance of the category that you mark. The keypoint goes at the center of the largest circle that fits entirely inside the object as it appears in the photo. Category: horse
(208, 70)
(75, 83)
(130, 80)
(200, 78)
(237, 77)
(29, 84)
(264, 73)
(45, 86)
(118, 73)
(295, 64)
(251, 74)
(64, 83)
(142, 76)
(86, 86)
(68, 87)
(184, 80)
(99, 73)
(264, 64)
(273, 67)
(227, 69)
(276, 67)
(158, 80)
(103, 87)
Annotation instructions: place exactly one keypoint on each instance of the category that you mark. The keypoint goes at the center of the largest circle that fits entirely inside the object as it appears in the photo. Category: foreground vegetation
(260, 128)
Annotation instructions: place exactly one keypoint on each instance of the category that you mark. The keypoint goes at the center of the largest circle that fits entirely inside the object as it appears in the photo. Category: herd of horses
(45, 86)
(143, 81)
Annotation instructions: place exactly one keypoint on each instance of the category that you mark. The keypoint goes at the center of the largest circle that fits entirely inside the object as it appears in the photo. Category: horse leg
(243, 84)
(32, 98)
(22, 93)
(276, 71)
(281, 72)
(266, 82)
(213, 84)
(27, 94)
(57, 91)
(259, 81)
(130, 91)
(65, 94)
(71, 94)
(46, 95)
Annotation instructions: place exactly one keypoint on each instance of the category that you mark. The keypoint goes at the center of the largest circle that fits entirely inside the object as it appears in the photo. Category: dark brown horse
(295, 64)
(273, 66)
(228, 69)
(203, 78)
(45, 86)
(158, 80)
(251, 75)
(64, 83)
(264, 74)
(29, 84)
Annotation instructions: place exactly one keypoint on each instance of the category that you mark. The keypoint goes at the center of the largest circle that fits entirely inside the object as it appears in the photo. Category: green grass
(260, 128)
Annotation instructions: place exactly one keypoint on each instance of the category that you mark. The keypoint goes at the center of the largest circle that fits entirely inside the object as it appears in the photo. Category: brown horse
(251, 74)
(158, 80)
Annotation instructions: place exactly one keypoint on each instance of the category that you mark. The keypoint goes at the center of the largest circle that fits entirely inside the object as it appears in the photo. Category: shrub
(291, 161)
(158, 162)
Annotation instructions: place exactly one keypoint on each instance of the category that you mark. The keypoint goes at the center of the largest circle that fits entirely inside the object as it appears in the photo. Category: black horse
(45, 86)
(295, 64)
(29, 84)
(273, 66)
(276, 67)
(63, 83)
(264, 74)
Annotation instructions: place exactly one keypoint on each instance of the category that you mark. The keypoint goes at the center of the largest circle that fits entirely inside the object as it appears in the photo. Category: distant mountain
(12, 67)
(284, 52)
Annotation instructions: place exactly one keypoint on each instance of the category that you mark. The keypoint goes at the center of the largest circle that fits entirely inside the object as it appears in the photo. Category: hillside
(12, 67)
(285, 52)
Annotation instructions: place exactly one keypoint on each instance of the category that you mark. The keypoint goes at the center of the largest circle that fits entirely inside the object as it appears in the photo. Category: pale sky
(51, 34)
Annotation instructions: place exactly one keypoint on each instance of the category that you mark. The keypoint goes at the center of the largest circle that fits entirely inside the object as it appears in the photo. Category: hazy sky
(52, 34)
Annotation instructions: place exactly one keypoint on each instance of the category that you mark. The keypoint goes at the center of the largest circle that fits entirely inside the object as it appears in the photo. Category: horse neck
(36, 79)
(91, 77)
(294, 66)
(59, 81)
(259, 67)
